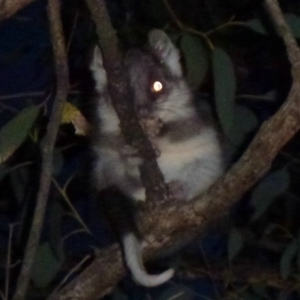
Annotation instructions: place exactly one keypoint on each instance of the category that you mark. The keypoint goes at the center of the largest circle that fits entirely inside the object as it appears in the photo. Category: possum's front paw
(152, 125)
(131, 155)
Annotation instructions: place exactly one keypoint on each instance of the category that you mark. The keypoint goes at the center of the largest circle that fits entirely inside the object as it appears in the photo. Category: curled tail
(134, 263)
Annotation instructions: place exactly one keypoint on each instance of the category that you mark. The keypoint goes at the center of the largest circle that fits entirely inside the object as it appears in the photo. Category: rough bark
(170, 222)
(62, 85)
(9, 7)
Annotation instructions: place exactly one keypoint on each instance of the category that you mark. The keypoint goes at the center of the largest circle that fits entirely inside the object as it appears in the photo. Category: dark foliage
(236, 62)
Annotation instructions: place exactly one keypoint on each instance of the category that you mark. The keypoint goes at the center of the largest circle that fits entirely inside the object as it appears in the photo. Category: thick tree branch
(121, 96)
(171, 222)
(242, 273)
(10, 7)
(61, 68)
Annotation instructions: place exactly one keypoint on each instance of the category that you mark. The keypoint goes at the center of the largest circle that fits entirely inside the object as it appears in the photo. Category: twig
(72, 31)
(33, 94)
(63, 193)
(203, 35)
(223, 26)
(9, 8)
(183, 27)
(173, 15)
(120, 92)
(207, 266)
(61, 68)
(291, 45)
(22, 95)
(16, 167)
(8, 108)
(171, 223)
(74, 232)
(74, 270)
(8, 261)
(91, 281)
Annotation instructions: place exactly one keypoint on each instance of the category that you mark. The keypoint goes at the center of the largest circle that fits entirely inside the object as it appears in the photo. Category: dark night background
(261, 232)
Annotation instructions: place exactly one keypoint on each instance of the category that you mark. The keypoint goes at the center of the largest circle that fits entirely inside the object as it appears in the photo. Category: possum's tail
(134, 262)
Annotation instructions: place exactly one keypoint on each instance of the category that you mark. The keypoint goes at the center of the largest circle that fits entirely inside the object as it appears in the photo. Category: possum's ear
(98, 70)
(165, 51)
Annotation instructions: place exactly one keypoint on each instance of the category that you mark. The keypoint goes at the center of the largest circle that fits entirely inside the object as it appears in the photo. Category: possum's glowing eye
(157, 87)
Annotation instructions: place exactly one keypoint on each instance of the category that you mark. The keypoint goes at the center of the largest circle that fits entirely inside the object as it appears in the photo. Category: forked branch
(167, 224)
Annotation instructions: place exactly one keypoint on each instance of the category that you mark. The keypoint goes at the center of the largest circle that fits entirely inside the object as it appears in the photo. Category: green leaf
(292, 20)
(235, 244)
(245, 121)
(196, 59)
(257, 26)
(46, 266)
(286, 259)
(224, 87)
(294, 23)
(269, 188)
(13, 134)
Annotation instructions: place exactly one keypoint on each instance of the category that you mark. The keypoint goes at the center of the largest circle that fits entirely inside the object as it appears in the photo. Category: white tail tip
(135, 264)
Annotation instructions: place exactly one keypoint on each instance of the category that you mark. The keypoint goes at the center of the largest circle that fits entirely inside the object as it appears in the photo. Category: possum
(188, 147)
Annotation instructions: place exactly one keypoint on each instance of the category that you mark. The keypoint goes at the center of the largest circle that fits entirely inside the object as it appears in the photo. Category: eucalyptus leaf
(294, 23)
(224, 88)
(46, 266)
(235, 243)
(292, 20)
(245, 121)
(269, 188)
(13, 134)
(256, 25)
(286, 259)
(196, 59)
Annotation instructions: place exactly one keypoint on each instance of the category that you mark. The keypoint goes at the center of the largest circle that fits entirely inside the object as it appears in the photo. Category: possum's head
(155, 76)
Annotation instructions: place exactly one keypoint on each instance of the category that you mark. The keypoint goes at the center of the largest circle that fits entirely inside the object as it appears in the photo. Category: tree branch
(168, 224)
(61, 68)
(10, 7)
(291, 45)
(247, 273)
(121, 96)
